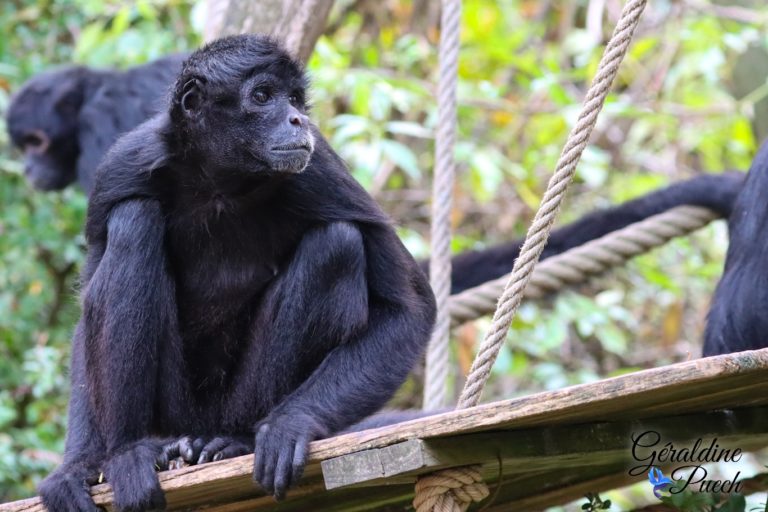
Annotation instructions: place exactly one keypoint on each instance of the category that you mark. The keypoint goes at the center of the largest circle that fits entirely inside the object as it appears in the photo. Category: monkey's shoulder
(128, 171)
(142, 149)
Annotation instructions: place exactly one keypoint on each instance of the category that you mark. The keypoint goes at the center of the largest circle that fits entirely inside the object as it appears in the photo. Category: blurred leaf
(402, 156)
(407, 128)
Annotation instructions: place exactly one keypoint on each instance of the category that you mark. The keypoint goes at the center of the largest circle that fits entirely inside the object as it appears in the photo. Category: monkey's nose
(295, 120)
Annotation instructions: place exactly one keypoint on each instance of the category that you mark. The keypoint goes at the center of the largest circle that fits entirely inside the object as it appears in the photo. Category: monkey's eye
(293, 99)
(35, 141)
(261, 95)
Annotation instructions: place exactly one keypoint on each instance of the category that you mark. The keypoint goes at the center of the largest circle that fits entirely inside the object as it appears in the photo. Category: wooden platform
(549, 448)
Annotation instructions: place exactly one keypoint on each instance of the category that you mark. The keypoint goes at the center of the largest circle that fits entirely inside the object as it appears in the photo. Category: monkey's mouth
(296, 146)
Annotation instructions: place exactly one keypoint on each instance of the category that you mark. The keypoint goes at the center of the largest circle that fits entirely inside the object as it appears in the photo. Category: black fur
(229, 293)
(81, 112)
(737, 319)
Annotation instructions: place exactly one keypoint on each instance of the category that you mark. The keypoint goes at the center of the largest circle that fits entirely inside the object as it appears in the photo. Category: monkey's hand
(282, 448)
(190, 450)
(131, 472)
(66, 489)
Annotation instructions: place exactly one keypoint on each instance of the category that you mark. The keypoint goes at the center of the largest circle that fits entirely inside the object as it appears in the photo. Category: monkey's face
(256, 124)
(42, 123)
(276, 129)
(50, 169)
(241, 108)
(50, 163)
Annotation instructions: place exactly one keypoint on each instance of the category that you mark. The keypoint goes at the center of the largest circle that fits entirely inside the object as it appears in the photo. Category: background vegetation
(684, 104)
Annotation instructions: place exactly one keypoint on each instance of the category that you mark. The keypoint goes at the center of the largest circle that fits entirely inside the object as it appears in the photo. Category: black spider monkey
(738, 318)
(65, 120)
(240, 286)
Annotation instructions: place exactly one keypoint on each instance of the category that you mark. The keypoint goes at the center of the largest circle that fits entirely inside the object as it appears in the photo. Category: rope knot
(450, 490)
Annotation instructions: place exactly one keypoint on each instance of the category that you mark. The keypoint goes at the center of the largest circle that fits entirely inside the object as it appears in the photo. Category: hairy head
(240, 105)
(42, 122)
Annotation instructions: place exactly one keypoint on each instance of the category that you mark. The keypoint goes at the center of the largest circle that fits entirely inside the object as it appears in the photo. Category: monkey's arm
(366, 297)
(126, 308)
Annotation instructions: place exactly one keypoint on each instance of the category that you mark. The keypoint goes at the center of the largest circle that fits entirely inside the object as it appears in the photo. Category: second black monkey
(737, 319)
(64, 120)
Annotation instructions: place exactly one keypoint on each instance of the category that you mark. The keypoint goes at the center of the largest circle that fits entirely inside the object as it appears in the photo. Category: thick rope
(445, 499)
(581, 263)
(450, 490)
(550, 204)
(435, 393)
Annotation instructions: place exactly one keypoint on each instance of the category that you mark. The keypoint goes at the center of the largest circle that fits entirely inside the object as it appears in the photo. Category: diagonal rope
(577, 265)
(550, 204)
(435, 393)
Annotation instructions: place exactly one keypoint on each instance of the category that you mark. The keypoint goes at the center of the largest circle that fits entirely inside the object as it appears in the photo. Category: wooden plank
(705, 384)
(541, 449)
(376, 464)
(724, 381)
(564, 492)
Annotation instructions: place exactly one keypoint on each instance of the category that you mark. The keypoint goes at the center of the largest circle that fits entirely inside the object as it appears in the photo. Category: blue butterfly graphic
(658, 481)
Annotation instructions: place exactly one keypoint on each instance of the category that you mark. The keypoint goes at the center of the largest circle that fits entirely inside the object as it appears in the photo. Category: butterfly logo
(658, 481)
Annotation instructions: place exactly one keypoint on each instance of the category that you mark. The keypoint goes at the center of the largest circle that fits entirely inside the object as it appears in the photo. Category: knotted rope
(450, 490)
(435, 393)
(450, 500)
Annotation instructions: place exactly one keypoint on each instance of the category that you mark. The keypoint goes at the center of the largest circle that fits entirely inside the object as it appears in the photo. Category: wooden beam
(728, 381)
(541, 449)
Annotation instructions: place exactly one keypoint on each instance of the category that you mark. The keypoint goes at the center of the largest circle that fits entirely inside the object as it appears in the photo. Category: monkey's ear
(191, 96)
(68, 93)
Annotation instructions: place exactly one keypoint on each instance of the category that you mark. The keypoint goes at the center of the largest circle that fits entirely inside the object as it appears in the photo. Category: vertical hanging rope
(550, 203)
(435, 392)
(454, 489)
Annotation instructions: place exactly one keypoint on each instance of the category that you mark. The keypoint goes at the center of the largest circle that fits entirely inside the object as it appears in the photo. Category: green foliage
(594, 503)
(117, 33)
(523, 70)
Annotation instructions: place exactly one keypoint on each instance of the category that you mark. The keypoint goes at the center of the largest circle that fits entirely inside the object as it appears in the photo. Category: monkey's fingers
(259, 452)
(234, 447)
(191, 448)
(213, 448)
(179, 452)
(283, 470)
(300, 456)
(266, 454)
